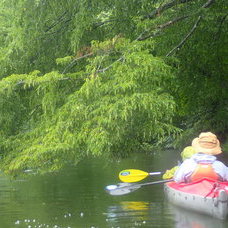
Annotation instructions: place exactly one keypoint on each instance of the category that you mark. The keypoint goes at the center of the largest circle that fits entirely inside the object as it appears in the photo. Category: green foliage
(113, 77)
(109, 113)
(202, 79)
(64, 61)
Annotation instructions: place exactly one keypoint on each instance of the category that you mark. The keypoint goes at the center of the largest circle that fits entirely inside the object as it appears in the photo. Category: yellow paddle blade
(132, 175)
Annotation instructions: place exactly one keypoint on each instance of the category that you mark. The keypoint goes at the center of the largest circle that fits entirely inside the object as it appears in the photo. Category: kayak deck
(204, 196)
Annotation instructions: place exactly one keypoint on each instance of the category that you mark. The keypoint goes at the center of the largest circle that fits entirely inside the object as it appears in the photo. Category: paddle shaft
(125, 188)
(156, 182)
(155, 173)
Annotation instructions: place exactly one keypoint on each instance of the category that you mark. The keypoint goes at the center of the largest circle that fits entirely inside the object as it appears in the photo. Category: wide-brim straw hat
(207, 143)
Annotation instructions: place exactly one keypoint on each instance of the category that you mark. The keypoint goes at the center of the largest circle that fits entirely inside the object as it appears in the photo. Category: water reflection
(135, 205)
(75, 198)
(158, 214)
(137, 214)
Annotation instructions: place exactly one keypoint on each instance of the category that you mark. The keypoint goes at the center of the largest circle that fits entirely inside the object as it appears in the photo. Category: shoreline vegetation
(104, 78)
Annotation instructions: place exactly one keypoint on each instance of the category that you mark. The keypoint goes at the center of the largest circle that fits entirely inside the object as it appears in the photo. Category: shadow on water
(75, 198)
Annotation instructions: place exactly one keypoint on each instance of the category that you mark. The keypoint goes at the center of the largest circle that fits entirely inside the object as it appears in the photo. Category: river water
(75, 198)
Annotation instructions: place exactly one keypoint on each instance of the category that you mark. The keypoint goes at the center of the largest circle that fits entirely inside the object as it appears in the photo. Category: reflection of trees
(7, 192)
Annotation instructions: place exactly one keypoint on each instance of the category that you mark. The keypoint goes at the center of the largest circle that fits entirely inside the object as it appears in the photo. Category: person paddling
(203, 164)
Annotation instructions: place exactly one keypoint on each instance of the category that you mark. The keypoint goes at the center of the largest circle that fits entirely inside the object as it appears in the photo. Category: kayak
(204, 196)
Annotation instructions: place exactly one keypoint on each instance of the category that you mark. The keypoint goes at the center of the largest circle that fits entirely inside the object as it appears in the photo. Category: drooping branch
(110, 66)
(164, 7)
(161, 27)
(75, 60)
(63, 26)
(99, 24)
(170, 22)
(218, 33)
(186, 37)
(59, 20)
(158, 29)
(206, 5)
(86, 52)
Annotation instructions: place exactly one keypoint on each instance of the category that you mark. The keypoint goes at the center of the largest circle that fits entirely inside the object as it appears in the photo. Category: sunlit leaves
(104, 85)
(126, 105)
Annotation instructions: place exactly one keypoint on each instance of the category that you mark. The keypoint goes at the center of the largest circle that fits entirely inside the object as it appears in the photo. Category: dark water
(75, 198)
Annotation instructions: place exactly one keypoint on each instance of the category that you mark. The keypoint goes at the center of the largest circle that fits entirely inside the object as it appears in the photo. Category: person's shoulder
(219, 163)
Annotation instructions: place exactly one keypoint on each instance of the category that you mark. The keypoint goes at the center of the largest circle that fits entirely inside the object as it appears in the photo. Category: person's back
(203, 164)
(185, 154)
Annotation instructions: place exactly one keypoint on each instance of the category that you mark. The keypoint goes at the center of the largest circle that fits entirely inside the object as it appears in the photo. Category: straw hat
(207, 143)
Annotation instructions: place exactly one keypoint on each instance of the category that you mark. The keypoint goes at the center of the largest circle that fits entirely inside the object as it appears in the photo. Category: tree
(122, 81)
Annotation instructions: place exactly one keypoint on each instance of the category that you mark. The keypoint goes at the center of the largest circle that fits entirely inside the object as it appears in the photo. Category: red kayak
(205, 196)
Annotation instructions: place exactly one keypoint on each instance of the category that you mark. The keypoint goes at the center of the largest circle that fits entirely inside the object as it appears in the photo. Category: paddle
(134, 175)
(125, 188)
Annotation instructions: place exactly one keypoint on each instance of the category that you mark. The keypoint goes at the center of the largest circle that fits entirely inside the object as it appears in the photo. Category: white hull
(216, 207)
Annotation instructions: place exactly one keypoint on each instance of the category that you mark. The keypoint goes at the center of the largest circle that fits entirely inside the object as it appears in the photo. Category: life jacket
(204, 171)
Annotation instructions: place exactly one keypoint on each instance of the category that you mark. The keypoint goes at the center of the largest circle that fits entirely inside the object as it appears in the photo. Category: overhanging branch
(58, 21)
(158, 29)
(206, 5)
(164, 7)
(75, 60)
(186, 37)
(161, 27)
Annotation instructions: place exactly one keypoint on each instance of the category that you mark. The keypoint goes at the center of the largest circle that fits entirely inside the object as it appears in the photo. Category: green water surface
(75, 198)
